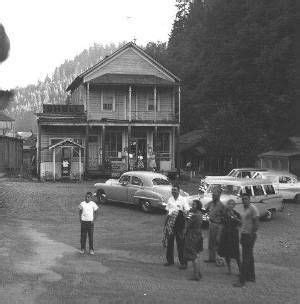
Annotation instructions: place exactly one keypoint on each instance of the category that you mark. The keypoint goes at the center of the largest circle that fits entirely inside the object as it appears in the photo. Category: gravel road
(40, 263)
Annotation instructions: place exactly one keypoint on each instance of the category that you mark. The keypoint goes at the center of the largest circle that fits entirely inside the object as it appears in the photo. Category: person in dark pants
(177, 207)
(87, 215)
(249, 217)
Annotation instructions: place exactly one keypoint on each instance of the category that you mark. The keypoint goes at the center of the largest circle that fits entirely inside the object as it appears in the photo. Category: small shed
(287, 158)
(67, 143)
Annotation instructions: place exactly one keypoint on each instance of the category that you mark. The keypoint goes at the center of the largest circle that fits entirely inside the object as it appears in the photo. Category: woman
(193, 238)
(229, 240)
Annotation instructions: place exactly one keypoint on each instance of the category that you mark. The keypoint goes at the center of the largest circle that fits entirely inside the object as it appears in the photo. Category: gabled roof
(66, 142)
(4, 117)
(79, 79)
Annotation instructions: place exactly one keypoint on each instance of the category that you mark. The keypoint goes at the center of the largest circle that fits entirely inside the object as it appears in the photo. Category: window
(113, 144)
(269, 189)
(248, 190)
(246, 174)
(136, 181)
(226, 189)
(285, 180)
(124, 179)
(258, 190)
(108, 100)
(160, 181)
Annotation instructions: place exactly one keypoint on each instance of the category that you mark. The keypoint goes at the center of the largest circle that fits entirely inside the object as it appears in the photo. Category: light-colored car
(234, 173)
(148, 190)
(261, 191)
(285, 183)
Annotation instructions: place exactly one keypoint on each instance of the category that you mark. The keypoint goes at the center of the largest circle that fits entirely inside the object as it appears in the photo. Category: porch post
(179, 103)
(177, 149)
(38, 163)
(173, 147)
(155, 144)
(86, 149)
(155, 102)
(128, 145)
(80, 172)
(103, 145)
(53, 161)
(129, 103)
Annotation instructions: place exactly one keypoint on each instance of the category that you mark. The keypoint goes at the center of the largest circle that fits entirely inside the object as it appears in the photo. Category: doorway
(138, 148)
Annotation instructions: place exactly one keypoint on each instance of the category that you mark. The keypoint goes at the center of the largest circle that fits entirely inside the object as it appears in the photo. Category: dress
(193, 239)
(229, 240)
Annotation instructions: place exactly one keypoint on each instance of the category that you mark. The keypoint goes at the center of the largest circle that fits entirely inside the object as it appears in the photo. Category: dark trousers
(87, 228)
(170, 248)
(247, 269)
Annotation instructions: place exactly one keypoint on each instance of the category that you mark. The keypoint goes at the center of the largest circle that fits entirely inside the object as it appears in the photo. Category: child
(87, 215)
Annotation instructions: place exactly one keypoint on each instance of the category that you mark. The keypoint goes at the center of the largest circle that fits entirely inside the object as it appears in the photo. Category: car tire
(297, 199)
(145, 206)
(101, 197)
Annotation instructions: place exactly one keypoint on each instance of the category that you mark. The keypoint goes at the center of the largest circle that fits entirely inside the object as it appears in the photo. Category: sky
(44, 33)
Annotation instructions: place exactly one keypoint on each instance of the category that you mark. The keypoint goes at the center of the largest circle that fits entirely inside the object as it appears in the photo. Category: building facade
(125, 113)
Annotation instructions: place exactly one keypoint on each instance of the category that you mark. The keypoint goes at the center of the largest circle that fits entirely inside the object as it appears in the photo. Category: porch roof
(131, 79)
(280, 153)
(66, 142)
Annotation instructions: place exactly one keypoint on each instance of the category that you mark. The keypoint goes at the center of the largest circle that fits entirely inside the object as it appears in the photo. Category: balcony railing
(149, 115)
(63, 109)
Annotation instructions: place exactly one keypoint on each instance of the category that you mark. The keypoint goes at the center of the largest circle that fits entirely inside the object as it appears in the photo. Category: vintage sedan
(148, 190)
(285, 183)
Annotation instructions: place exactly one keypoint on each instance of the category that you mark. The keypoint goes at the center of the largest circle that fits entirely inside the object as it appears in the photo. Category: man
(176, 207)
(216, 212)
(249, 217)
(87, 215)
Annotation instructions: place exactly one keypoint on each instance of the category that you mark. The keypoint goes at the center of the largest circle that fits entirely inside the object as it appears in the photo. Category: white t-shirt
(180, 204)
(87, 210)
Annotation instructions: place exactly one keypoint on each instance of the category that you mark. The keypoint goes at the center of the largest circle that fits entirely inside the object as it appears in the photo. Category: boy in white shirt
(87, 214)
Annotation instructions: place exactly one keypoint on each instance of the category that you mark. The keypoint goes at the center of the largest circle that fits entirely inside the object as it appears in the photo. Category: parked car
(148, 190)
(234, 173)
(262, 194)
(285, 183)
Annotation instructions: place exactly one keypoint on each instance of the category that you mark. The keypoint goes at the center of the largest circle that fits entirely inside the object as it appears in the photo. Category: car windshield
(226, 189)
(160, 181)
(232, 173)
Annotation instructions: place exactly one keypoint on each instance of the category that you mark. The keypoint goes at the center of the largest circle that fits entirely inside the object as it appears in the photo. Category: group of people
(184, 225)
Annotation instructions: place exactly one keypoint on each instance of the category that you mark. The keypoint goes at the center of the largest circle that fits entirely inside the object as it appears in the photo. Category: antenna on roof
(129, 20)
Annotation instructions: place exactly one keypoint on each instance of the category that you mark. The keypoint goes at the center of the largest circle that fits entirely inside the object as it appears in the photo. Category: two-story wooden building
(120, 111)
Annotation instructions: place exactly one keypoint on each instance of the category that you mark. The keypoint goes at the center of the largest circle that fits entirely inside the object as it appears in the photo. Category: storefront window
(113, 144)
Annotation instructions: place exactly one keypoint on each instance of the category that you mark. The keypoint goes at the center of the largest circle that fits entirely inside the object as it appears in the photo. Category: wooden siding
(140, 99)
(128, 62)
(57, 132)
(11, 150)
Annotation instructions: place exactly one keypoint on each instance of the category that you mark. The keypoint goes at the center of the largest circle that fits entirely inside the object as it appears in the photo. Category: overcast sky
(43, 33)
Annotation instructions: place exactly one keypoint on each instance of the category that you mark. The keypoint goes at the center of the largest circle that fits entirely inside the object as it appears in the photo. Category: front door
(93, 156)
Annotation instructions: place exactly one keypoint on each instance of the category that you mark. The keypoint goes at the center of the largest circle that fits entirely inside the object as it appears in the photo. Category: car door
(272, 199)
(119, 191)
(259, 198)
(135, 185)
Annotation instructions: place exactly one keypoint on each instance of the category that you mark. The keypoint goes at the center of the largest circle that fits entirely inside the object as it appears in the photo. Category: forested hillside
(29, 99)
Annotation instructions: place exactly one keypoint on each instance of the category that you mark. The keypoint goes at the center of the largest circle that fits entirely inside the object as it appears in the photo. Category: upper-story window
(108, 100)
(150, 101)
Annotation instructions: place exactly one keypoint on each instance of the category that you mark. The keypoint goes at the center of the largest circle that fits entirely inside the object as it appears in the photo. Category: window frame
(262, 188)
(108, 91)
(136, 177)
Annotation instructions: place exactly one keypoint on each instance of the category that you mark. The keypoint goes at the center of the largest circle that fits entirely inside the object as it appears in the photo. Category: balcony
(63, 109)
(151, 116)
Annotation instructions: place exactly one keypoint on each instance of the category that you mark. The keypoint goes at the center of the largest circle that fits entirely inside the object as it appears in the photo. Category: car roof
(145, 174)
(276, 173)
(240, 181)
(249, 169)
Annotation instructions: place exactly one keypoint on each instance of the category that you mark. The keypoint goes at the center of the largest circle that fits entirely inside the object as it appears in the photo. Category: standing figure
(229, 240)
(249, 228)
(174, 228)
(87, 216)
(140, 161)
(152, 161)
(216, 212)
(193, 239)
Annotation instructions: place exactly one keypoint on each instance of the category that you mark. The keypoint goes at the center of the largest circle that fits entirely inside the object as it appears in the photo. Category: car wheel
(297, 199)
(101, 197)
(145, 206)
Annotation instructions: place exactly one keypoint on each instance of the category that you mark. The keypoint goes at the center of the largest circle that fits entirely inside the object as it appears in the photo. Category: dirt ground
(40, 262)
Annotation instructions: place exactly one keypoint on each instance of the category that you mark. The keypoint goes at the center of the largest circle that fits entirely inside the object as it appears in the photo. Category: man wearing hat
(216, 212)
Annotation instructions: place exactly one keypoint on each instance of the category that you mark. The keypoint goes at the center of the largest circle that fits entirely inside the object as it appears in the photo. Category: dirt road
(40, 263)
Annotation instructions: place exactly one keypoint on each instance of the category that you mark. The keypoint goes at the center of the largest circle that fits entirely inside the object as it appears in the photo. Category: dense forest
(236, 60)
